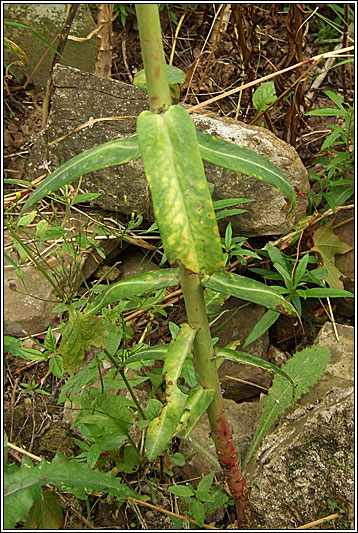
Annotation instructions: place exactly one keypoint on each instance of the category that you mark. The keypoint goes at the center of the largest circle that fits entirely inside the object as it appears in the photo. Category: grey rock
(79, 97)
(27, 308)
(308, 457)
(48, 20)
(28, 304)
(235, 377)
(341, 363)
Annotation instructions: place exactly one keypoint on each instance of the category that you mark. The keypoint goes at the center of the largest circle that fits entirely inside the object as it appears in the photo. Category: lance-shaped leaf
(134, 286)
(249, 359)
(197, 403)
(228, 155)
(248, 289)
(305, 368)
(161, 429)
(102, 156)
(181, 198)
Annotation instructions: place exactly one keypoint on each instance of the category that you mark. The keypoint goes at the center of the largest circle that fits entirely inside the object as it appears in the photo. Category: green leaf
(78, 335)
(264, 95)
(322, 292)
(12, 345)
(198, 512)
(181, 199)
(50, 340)
(213, 301)
(229, 213)
(230, 202)
(206, 482)
(300, 269)
(327, 245)
(22, 486)
(326, 112)
(182, 491)
(197, 403)
(25, 220)
(161, 429)
(248, 289)
(153, 408)
(85, 197)
(46, 513)
(147, 353)
(305, 368)
(228, 155)
(177, 459)
(134, 286)
(263, 324)
(86, 376)
(276, 256)
(102, 156)
(107, 411)
(254, 360)
(56, 366)
(93, 453)
(174, 76)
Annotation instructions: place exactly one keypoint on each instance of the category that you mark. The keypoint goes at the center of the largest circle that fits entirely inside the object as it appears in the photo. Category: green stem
(159, 99)
(153, 57)
(128, 385)
(209, 378)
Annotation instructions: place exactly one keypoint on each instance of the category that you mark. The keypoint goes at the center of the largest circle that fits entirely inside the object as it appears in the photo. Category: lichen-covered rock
(80, 97)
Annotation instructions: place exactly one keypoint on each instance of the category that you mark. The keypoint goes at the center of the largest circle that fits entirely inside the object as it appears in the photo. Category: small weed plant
(187, 385)
(336, 185)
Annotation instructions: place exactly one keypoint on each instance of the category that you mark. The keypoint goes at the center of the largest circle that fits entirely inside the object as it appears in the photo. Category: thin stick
(310, 525)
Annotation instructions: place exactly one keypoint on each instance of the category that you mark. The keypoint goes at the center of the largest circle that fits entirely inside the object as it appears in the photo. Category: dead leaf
(327, 246)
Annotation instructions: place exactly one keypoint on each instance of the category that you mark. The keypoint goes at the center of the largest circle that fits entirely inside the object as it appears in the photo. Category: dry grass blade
(316, 59)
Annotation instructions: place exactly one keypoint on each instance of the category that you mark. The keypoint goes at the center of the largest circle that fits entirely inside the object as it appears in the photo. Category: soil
(213, 64)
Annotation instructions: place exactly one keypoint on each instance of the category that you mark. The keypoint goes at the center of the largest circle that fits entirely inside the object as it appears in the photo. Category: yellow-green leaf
(181, 198)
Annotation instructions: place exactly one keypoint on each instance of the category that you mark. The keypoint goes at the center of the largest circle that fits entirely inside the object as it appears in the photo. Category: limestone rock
(80, 97)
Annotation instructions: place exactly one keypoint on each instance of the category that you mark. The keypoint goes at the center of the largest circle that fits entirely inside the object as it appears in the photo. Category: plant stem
(209, 378)
(159, 98)
(153, 57)
(128, 385)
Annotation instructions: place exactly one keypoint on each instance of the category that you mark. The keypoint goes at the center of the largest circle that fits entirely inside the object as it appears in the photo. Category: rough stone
(308, 457)
(235, 377)
(48, 20)
(341, 363)
(29, 307)
(79, 97)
